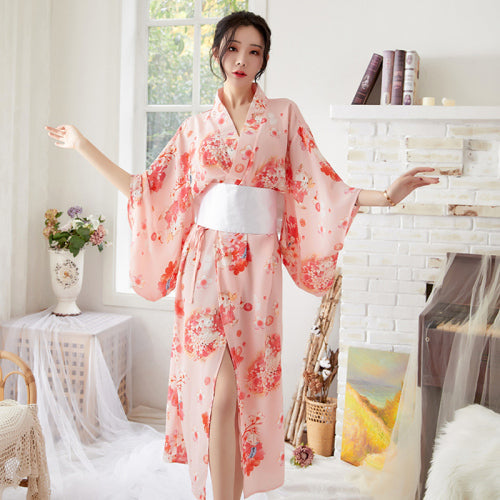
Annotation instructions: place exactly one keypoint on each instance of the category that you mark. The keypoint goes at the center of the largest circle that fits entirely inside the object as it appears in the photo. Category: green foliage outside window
(170, 64)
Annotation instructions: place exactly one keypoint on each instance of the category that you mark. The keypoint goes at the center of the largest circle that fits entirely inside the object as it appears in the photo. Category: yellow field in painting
(366, 428)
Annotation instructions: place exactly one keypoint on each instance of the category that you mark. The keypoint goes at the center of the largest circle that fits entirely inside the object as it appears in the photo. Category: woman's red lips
(239, 73)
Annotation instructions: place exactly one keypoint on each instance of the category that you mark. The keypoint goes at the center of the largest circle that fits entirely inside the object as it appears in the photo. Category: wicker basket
(320, 419)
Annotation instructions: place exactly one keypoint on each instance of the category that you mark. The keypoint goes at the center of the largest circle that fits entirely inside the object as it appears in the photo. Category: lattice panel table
(81, 364)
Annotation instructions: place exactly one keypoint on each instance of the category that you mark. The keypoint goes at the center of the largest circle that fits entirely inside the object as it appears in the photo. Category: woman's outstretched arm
(398, 190)
(69, 137)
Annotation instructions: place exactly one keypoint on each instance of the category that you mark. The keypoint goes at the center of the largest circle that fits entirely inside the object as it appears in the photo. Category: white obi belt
(233, 208)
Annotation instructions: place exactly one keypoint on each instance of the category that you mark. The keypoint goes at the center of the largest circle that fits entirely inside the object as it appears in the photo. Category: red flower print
(270, 175)
(173, 396)
(252, 449)
(135, 191)
(264, 374)
(168, 278)
(185, 163)
(318, 274)
(298, 182)
(179, 307)
(273, 344)
(292, 230)
(328, 170)
(206, 423)
(227, 308)
(203, 333)
(306, 139)
(174, 448)
(234, 253)
(156, 178)
(176, 346)
(213, 153)
(236, 355)
(138, 280)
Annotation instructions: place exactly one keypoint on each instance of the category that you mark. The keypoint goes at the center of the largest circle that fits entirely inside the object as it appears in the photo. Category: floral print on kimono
(228, 286)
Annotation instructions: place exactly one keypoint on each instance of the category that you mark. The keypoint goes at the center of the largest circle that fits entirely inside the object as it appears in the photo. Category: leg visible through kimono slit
(224, 450)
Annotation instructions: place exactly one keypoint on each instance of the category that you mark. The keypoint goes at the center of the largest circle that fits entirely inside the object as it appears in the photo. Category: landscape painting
(373, 390)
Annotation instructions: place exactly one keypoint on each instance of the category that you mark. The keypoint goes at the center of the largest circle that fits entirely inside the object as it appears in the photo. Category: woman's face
(244, 56)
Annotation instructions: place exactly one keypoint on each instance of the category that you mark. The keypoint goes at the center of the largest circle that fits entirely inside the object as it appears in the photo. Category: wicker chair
(25, 372)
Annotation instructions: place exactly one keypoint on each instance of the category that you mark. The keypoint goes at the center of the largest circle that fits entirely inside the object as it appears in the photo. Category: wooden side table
(82, 367)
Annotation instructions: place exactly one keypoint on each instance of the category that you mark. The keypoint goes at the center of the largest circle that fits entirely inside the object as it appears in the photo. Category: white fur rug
(466, 458)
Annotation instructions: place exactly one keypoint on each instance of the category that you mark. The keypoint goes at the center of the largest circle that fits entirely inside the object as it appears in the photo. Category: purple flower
(74, 211)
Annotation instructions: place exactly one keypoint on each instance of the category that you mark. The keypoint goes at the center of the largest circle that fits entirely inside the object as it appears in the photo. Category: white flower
(325, 363)
(325, 374)
(94, 221)
(66, 226)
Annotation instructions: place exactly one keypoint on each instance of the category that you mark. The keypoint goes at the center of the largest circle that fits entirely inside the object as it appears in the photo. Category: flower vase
(66, 273)
(320, 419)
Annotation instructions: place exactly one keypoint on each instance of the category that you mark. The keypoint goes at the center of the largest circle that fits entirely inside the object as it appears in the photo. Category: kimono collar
(257, 106)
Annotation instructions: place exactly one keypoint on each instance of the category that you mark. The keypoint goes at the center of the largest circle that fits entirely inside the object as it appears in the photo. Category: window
(165, 78)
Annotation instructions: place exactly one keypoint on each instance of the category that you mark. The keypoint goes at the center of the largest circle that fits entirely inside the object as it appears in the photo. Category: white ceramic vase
(66, 274)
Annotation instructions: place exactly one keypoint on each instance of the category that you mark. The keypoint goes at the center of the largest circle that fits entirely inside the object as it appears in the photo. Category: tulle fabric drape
(456, 364)
(24, 105)
(93, 451)
(459, 345)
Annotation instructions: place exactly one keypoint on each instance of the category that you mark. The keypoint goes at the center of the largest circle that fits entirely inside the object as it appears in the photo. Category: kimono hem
(228, 285)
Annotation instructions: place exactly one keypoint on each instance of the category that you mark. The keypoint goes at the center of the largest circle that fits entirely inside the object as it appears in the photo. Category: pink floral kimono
(229, 285)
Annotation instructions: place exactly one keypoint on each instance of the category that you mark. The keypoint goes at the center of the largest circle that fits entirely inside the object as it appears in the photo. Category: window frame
(133, 132)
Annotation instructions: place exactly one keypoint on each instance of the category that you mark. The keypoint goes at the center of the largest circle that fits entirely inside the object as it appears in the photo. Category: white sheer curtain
(24, 95)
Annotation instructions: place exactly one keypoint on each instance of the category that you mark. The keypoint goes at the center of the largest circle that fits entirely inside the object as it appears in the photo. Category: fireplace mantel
(389, 113)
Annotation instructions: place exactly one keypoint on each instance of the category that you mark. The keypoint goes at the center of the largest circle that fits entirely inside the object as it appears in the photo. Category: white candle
(447, 102)
(428, 101)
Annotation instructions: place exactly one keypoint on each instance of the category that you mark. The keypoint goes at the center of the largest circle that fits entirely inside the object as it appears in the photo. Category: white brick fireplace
(391, 255)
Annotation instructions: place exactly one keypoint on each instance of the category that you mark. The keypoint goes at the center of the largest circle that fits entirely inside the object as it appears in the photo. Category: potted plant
(66, 249)
(321, 409)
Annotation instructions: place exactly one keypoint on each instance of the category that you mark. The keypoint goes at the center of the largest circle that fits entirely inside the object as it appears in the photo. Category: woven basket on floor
(320, 418)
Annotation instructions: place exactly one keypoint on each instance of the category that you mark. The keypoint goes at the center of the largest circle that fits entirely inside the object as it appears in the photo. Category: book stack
(400, 74)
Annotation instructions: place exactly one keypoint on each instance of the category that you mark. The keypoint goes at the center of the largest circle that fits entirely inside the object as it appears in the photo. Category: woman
(205, 218)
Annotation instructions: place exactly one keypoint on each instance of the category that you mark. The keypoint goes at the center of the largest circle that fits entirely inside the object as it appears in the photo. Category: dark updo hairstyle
(225, 30)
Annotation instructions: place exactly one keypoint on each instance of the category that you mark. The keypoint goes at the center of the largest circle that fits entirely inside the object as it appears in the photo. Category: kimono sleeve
(318, 211)
(160, 214)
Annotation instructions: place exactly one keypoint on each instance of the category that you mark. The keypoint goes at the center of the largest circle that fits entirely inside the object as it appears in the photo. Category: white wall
(319, 53)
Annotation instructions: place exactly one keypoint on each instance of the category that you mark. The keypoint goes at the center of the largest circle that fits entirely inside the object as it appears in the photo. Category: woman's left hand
(408, 182)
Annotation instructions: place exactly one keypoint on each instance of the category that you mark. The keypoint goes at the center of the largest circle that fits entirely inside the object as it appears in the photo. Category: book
(398, 77)
(368, 80)
(387, 70)
(412, 73)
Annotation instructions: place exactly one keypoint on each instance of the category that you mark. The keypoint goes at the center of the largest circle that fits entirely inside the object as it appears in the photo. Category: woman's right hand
(66, 136)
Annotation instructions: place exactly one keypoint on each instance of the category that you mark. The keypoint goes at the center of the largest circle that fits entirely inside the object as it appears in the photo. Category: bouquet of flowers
(76, 233)
(319, 380)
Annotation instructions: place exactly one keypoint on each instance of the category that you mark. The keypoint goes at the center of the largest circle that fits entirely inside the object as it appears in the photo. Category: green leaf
(75, 244)
(59, 236)
(84, 233)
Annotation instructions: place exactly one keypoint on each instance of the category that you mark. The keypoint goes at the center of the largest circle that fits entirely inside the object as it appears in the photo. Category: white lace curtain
(24, 106)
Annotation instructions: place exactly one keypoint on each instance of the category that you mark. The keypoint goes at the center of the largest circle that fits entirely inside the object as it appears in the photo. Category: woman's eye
(255, 52)
(231, 49)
